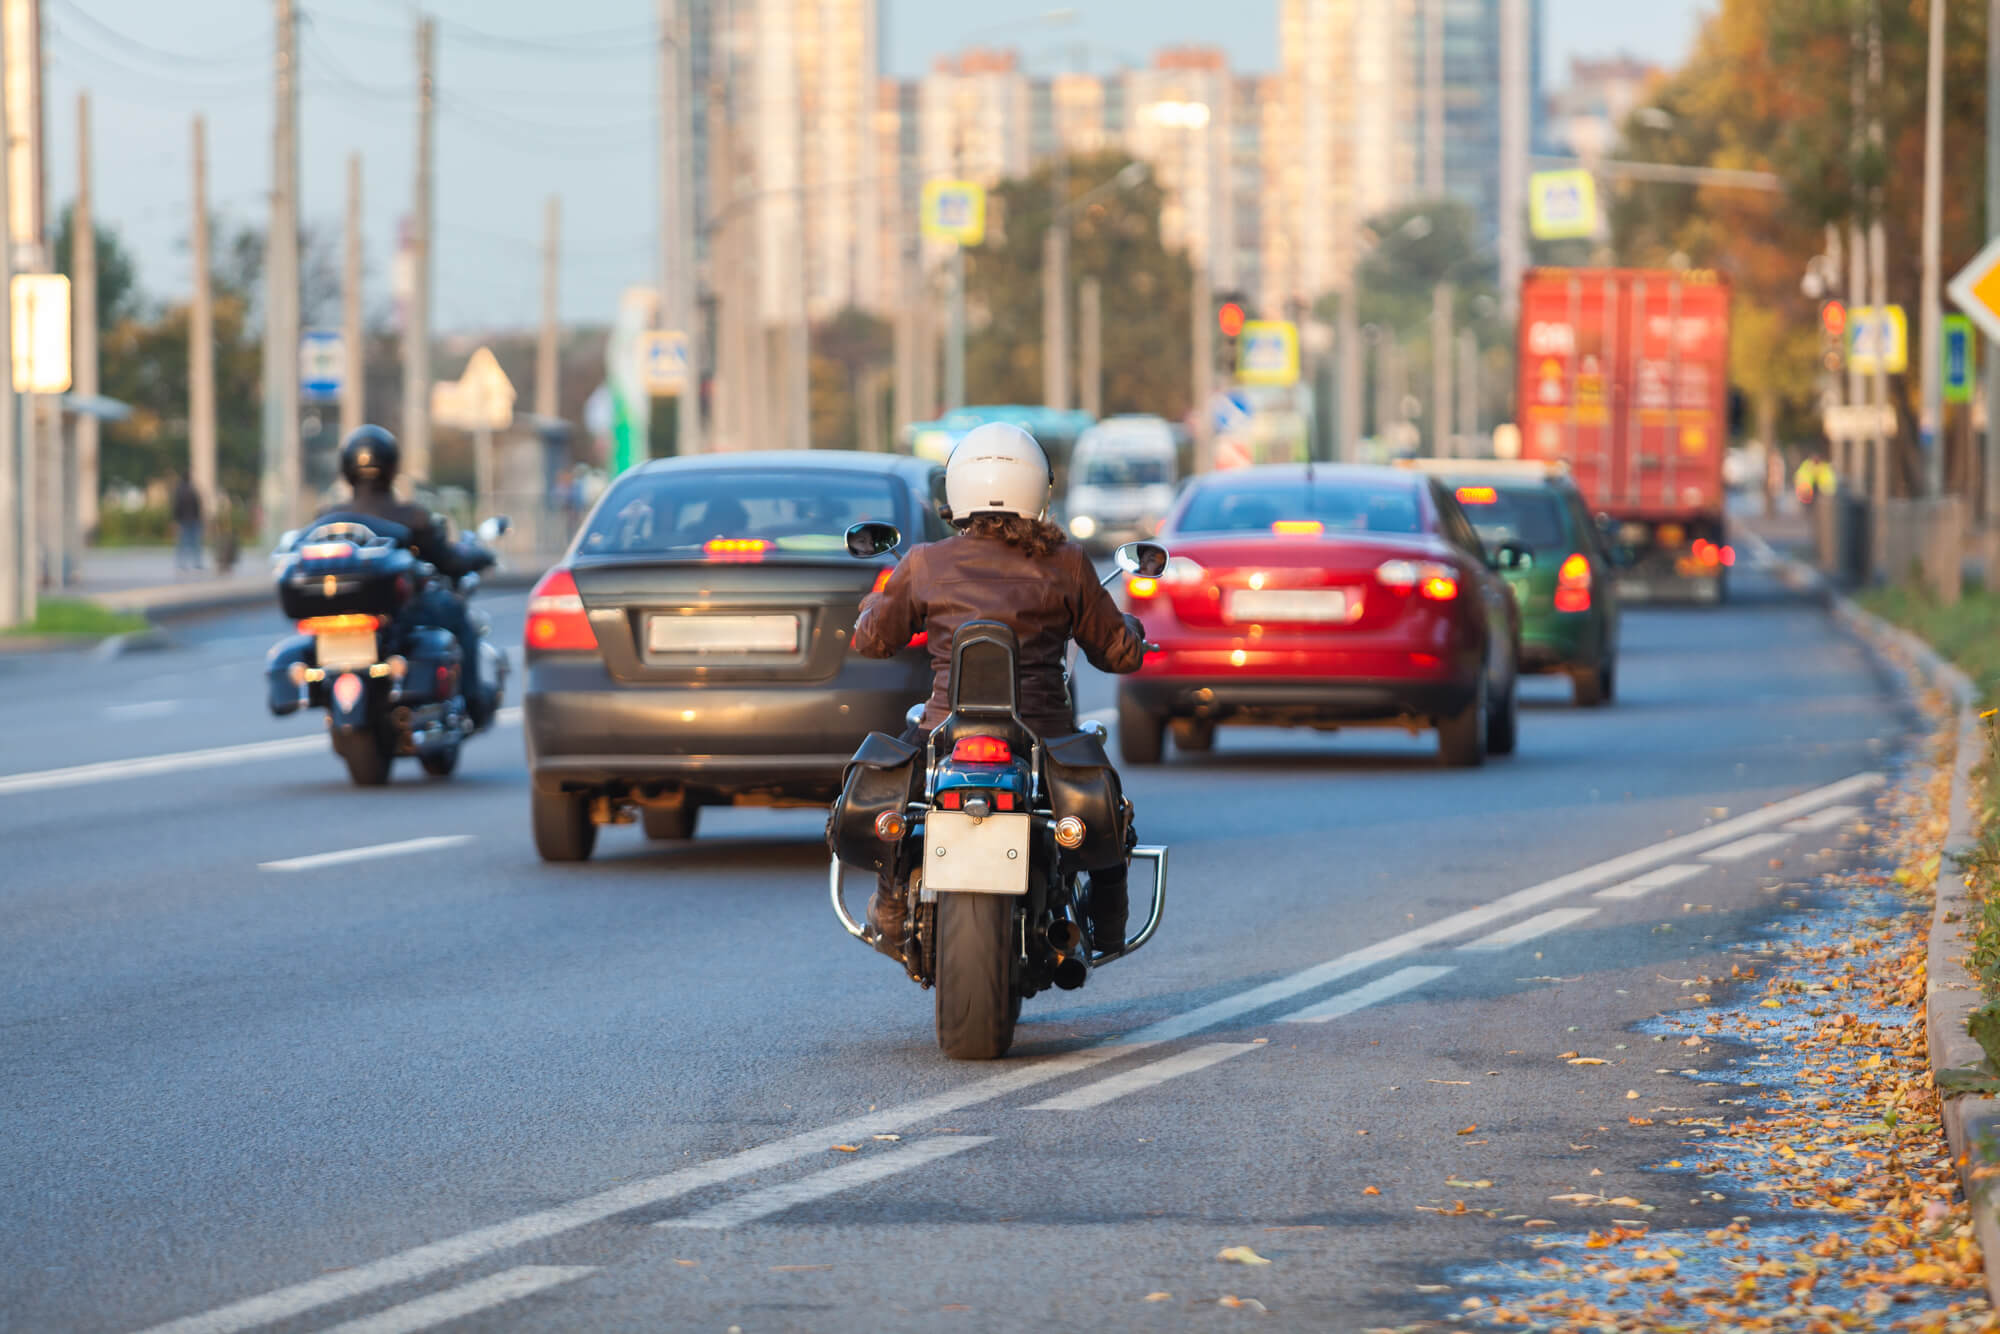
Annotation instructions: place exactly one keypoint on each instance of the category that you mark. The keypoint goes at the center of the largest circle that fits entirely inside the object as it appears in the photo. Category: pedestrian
(187, 525)
(226, 545)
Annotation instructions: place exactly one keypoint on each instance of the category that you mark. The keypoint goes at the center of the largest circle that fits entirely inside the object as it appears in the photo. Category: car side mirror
(1148, 559)
(869, 540)
(494, 528)
(1511, 558)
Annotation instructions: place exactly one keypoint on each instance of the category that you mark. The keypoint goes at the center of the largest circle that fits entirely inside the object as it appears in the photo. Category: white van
(1121, 480)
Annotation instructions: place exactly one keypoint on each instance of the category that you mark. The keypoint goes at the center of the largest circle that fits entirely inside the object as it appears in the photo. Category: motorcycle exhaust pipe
(1065, 939)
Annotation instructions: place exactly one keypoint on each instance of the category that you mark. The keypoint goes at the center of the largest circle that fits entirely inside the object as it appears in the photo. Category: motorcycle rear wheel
(368, 754)
(976, 1003)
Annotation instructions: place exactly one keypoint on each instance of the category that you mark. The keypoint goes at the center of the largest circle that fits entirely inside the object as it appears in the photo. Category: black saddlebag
(884, 775)
(1083, 783)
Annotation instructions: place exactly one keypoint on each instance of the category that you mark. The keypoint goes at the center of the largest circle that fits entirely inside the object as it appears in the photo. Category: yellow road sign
(482, 399)
(1562, 205)
(1870, 338)
(41, 333)
(954, 211)
(1267, 353)
(1976, 290)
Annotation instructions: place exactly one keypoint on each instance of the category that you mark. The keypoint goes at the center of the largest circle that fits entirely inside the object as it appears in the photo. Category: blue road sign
(322, 365)
(1958, 359)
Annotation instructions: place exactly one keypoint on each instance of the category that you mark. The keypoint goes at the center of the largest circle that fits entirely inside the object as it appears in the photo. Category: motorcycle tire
(440, 763)
(368, 755)
(564, 831)
(976, 1004)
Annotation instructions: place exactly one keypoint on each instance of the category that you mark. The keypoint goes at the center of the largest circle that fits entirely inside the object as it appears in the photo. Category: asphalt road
(447, 1082)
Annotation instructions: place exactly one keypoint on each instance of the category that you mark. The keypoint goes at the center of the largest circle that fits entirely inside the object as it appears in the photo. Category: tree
(1146, 289)
(117, 278)
(844, 350)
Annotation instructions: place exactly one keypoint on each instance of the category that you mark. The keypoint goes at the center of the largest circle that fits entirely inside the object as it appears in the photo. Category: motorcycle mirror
(468, 583)
(1142, 558)
(494, 528)
(286, 541)
(869, 540)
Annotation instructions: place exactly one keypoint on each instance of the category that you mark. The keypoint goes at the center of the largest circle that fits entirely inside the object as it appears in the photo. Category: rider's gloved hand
(1135, 625)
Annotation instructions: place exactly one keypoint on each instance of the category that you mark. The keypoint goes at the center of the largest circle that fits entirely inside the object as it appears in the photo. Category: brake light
(327, 550)
(1573, 583)
(1706, 552)
(333, 625)
(1297, 528)
(982, 750)
(919, 639)
(1478, 495)
(1433, 579)
(735, 548)
(1142, 586)
(882, 581)
(1729, 556)
(556, 618)
(1439, 588)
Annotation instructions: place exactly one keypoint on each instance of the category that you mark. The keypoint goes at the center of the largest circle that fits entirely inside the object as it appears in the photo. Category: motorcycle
(390, 685)
(988, 840)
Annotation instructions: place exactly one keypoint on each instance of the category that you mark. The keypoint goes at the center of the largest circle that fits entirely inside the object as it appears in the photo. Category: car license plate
(1282, 604)
(723, 634)
(340, 649)
(966, 855)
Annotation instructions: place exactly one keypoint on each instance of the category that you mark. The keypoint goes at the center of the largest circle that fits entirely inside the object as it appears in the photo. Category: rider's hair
(1034, 537)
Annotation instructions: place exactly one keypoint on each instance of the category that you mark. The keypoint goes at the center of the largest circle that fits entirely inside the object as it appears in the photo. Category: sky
(527, 108)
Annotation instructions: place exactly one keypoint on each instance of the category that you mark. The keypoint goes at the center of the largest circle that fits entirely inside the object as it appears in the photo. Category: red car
(1325, 597)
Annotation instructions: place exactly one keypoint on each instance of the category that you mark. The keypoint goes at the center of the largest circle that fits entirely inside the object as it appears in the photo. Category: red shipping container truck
(1625, 378)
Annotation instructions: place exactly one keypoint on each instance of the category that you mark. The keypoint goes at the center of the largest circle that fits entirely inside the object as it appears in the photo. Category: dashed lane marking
(435, 1257)
(1507, 937)
(1819, 821)
(480, 1295)
(319, 859)
(1660, 877)
(1143, 1077)
(873, 1166)
(148, 708)
(1745, 847)
(1369, 993)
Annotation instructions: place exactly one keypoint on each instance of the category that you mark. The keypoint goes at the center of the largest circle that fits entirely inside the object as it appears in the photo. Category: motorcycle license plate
(965, 855)
(339, 649)
(1280, 604)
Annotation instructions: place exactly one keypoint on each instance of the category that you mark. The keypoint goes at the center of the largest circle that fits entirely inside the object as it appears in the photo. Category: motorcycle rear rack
(1151, 853)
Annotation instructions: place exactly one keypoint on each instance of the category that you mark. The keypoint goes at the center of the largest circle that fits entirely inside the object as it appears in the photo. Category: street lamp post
(1055, 285)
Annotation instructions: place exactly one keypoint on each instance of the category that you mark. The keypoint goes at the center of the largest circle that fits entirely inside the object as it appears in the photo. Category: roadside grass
(1968, 634)
(72, 616)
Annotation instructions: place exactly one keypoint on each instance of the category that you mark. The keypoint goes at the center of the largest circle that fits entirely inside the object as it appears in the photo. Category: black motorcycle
(389, 683)
(989, 838)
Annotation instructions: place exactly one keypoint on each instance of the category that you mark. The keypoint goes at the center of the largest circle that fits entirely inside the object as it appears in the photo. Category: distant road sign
(1976, 289)
(322, 365)
(482, 399)
(1870, 338)
(1960, 361)
(663, 361)
(41, 333)
(1268, 353)
(1859, 421)
(954, 211)
(1562, 205)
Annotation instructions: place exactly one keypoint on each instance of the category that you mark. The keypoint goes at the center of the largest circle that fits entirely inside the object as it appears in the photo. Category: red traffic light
(1230, 319)
(1833, 318)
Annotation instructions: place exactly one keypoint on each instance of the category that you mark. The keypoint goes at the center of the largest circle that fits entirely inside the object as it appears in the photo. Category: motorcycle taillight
(982, 750)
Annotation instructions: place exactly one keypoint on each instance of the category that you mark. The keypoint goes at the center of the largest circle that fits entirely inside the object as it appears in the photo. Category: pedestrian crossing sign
(1267, 353)
(955, 211)
(1562, 205)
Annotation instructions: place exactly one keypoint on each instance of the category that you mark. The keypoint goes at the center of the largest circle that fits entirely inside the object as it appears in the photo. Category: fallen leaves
(1240, 1255)
(847, 1148)
(1587, 1060)
(1468, 1130)
(1371, 1190)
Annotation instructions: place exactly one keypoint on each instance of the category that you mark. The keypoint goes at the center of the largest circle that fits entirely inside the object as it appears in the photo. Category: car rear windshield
(1115, 471)
(801, 510)
(1386, 507)
(1531, 517)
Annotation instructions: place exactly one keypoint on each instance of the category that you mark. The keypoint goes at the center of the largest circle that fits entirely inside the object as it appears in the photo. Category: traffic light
(1832, 337)
(1230, 317)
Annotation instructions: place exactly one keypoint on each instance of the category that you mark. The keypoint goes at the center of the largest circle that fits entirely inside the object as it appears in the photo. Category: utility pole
(353, 374)
(1055, 319)
(1878, 254)
(1992, 470)
(1513, 152)
(417, 325)
(1931, 379)
(17, 580)
(82, 515)
(1090, 353)
(1442, 352)
(201, 338)
(280, 482)
(954, 347)
(1347, 339)
(548, 349)
(1203, 312)
(1468, 395)
(1434, 98)
(907, 342)
(677, 221)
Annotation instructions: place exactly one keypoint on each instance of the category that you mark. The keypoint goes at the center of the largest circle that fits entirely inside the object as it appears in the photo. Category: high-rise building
(1586, 116)
(973, 113)
(1178, 120)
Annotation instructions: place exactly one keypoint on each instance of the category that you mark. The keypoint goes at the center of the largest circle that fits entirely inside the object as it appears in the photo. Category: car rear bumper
(1559, 640)
(1307, 702)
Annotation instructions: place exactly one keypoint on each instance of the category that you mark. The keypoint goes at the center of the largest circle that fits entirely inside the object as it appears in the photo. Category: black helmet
(370, 455)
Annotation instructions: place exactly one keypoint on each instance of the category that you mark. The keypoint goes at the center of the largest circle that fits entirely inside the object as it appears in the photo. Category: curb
(1951, 991)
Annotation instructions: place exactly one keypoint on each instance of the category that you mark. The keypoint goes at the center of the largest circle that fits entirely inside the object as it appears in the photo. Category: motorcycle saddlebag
(284, 696)
(435, 664)
(882, 776)
(1083, 783)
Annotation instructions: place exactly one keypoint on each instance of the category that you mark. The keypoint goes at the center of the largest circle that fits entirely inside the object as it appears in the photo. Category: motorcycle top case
(1082, 782)
(374, 581)
(882, 776)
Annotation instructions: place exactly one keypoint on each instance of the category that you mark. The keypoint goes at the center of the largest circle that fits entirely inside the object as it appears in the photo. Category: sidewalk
(145, 580)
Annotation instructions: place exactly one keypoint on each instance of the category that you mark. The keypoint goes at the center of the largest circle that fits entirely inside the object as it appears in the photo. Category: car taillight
(1142, 586)
(882, 580)
(1478, 495)
(1182, 571)
(1729, 556)
(982, 750)
(1706, 552)
(1573, 583)
(1434, 580)
(735, 548)
(556, 618)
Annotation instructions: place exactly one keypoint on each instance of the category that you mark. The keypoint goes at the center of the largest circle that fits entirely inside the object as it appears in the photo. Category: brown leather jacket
(1048, 601)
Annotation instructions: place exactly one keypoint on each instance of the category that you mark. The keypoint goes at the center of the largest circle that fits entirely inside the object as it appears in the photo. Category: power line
(88, 57)
(236, 55)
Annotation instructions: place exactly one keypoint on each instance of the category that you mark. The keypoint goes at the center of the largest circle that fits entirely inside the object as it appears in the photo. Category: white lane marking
(145, 766)
(1745, 847)
(1143, 1077)
(871, 1167)
(1507, 937)
(1822, 820)
(319, 859)
(1660, 877)
(151, 708)
(1367, 994)
(434, 1257)
(479, 1295)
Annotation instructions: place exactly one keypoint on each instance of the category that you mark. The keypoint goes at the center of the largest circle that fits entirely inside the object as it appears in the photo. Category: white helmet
(997, 469)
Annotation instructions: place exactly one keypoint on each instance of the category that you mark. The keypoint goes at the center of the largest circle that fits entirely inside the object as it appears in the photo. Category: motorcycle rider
(1008, 564)
(370, 459)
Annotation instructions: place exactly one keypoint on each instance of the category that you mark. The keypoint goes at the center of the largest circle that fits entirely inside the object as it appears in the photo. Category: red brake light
(1140, 586)
(882, 581)
(556, 618)
(919, 639)
(1575, 572)
(1439, 588)
(1478, 495)
(982, 750)
(328, 625)
(735, 548)
(1729, 555)
(1572, 599)
(1436, 581)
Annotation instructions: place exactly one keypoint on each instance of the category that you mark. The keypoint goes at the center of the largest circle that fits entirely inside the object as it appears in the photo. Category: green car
(1569, 606)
